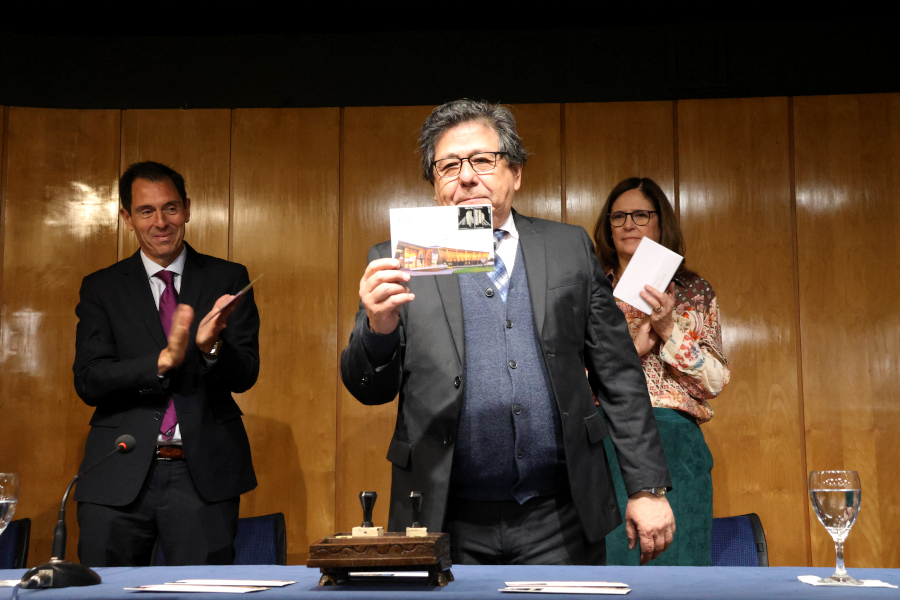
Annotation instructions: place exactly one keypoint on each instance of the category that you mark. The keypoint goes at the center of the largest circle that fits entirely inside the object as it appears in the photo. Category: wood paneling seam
(4, 176)
(798, 323)
(675, 164)
(120, 234)
(338, 396)
(562, 162)
(230, 186)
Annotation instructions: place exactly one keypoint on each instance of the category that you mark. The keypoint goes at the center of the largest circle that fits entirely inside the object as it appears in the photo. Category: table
(482, 583)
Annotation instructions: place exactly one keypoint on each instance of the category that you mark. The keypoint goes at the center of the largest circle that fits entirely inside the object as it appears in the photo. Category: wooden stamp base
(417, 532)
(367, 532)
(338, 555)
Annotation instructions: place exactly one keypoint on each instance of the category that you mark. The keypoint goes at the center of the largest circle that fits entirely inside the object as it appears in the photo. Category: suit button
(517, 410)
(157, 416)
(364, 380)
(520, 453)
(448, 440)
(512, 364)
(489, 292)
(457, 382)
(508, 324)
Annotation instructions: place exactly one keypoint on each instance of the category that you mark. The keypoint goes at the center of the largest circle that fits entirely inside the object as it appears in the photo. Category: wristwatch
(214, 351)
(659, 492)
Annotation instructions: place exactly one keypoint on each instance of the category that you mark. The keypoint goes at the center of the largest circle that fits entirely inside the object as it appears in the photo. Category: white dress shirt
(158, 286)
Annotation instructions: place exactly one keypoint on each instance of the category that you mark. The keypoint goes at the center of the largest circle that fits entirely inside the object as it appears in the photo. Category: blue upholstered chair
(739, 542)
(14, 544)
(259, 541)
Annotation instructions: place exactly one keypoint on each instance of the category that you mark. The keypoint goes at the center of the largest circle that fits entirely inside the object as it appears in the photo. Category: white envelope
(653, 265)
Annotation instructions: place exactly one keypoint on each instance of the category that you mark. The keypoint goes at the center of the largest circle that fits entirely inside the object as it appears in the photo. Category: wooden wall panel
(848, 185)
(60, 226)
(736, 215)
(285, 187)
(609, 142)
(197, 144)
(541, 192)
(379, 171)
(309, 192)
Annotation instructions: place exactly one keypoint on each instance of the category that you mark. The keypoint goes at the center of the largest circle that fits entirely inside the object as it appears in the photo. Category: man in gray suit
(496, 425)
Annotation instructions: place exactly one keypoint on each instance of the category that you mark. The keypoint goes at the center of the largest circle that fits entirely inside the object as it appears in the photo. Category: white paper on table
(651, 264)
(388, 574)
(565, 584)
(814, 580)
(239, 582)
(205, 589)
(618, 591)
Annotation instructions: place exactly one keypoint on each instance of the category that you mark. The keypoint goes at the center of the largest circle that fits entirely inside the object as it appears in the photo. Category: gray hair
(447, 116)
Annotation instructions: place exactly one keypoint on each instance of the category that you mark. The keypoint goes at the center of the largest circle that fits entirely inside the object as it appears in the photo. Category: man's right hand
(383, 291)
(173, 355)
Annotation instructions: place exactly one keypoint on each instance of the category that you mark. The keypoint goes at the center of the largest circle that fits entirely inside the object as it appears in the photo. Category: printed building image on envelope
(442, 240)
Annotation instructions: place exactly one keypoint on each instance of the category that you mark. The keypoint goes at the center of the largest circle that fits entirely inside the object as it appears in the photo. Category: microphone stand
(60, 573)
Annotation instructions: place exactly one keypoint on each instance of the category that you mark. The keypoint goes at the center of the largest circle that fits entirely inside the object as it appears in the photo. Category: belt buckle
(159, 451)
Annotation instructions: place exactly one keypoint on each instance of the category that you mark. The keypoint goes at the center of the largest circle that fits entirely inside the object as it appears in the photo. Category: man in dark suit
(153, 371)
(496, 425)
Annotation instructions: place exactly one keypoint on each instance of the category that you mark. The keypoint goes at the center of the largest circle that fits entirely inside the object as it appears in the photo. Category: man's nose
(159, 220)
(466, 172)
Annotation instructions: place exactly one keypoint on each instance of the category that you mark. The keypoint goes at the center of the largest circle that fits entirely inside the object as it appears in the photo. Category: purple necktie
(168, 301)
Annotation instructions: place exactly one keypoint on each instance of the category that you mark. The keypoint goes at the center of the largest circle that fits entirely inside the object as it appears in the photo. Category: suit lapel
(138, 289)
(532, 242)
(192, 281)
(451, 298)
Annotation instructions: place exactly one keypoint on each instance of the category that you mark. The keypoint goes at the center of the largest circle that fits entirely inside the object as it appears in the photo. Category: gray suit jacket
(579, 326)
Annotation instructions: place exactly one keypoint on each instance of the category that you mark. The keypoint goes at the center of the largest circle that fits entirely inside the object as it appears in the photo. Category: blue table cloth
(669, 583)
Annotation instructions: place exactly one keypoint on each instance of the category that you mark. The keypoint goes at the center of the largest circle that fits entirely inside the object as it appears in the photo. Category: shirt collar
(509, 226)
(176, 267)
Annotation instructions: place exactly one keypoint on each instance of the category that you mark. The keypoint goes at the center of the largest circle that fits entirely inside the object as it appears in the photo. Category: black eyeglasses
(638, 217)
(482, 162)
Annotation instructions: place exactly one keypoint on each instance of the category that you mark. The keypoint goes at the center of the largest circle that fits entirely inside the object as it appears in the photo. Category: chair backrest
(739, 542)
(14, 544)
(259, 541)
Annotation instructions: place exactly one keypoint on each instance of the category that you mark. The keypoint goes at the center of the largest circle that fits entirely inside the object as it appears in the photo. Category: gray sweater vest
(509, 442)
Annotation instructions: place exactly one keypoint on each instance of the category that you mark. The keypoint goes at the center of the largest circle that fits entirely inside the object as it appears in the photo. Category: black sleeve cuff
(380, 348)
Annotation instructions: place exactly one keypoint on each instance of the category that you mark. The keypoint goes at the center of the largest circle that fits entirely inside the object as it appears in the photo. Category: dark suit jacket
(579, 326)
(117, 345)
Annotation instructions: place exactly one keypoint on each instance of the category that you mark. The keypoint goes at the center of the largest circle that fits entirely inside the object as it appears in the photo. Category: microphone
(60, 573)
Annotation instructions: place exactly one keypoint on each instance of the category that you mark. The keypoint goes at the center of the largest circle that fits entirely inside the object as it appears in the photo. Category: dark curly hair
(449, 115)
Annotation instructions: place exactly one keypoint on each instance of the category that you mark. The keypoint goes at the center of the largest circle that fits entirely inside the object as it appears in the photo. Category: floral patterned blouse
(690, 368)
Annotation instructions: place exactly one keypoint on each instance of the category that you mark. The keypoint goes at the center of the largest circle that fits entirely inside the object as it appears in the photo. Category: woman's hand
(646, 338)
(661, 318)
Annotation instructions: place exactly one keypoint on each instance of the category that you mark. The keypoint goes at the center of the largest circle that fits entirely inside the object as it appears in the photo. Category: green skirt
(690, 465)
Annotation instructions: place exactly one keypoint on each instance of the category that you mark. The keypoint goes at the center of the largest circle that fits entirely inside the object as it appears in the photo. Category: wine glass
(835, 497)
(9, 498)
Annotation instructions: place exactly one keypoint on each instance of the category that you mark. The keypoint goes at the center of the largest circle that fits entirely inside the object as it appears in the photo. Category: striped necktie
(500, 276)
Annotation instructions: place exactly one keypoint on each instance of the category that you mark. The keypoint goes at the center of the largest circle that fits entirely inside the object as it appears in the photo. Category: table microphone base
(59, 574)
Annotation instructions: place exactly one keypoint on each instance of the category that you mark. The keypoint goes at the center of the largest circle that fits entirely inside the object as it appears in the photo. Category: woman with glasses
(680, 345)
